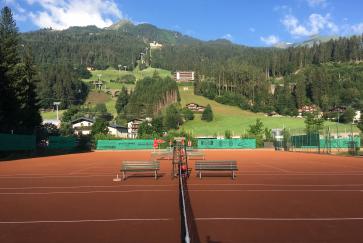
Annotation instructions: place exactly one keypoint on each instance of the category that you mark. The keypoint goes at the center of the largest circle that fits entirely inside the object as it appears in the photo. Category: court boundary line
(279, 185)
(84, 192)
(273, 167)
(85, 220)
(273, 190)
(278, 219)
(80, 187)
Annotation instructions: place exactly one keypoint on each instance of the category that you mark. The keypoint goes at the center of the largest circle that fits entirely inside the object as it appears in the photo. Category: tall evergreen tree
(18, 108)
(8, 59)
(122, 100)
(25, 86)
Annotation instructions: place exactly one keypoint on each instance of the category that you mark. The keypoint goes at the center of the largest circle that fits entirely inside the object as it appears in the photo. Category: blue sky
(253, 23)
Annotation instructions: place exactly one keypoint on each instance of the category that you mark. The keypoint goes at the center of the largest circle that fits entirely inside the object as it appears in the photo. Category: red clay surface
(277, 197)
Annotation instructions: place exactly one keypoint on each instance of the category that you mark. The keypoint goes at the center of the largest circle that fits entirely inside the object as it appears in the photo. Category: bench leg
(200, 174)
(233, 174)
(123, 175)
(156, 175)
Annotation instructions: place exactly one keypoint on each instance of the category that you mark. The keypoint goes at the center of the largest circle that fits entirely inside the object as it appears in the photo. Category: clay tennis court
(276, 197)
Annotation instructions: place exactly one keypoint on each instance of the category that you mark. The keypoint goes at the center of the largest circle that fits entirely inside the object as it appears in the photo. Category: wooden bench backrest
(141, 164)
(223, 164)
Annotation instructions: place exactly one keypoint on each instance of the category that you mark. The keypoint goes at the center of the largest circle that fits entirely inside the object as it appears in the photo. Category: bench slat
(140, 166)
(216, 165)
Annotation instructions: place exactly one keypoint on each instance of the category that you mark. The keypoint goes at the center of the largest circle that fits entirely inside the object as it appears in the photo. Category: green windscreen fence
(336, 143)
(127, 144)
(308, 140)
(58, 142)
(227, 143)
(14, 142)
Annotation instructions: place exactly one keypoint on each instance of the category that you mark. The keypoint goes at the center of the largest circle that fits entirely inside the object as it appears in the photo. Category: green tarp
(127, 144)
(304, 141)
(62, 142)
(339, 143)
(13, 142)
(226, 143)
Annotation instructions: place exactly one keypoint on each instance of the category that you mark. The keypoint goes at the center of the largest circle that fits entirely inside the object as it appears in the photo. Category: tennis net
(189, 232)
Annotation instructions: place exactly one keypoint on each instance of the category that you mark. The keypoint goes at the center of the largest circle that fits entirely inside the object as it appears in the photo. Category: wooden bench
(216, 165)
(139, 166)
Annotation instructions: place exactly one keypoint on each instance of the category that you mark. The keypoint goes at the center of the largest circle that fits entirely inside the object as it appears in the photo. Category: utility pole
(99, 81)
(57, 105)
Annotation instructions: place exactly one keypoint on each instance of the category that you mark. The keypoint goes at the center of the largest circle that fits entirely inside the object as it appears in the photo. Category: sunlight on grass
(233, 118)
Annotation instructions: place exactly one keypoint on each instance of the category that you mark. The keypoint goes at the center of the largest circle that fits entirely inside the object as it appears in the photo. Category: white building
(155, 45)
(118, 131)
(357, 117)
(82, 126)
(133, 126)
(56, 123)
(184, 76)
(277, 134)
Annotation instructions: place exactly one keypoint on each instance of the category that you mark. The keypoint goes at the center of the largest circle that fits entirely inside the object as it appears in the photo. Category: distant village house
(195, 107)
(133, 126)
(155, 45)
(184, 76)
(83, 126)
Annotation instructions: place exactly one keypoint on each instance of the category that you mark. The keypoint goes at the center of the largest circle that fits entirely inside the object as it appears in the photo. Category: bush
(172, 118)
(348, 115)
(187, 114)
(99, 127)
(227, 134)
(127, 79)
(256, 131)
(207, 114)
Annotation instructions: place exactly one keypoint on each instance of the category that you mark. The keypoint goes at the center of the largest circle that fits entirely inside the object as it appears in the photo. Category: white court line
(82, 221)
(278, 219)
(273, 167)
(305, 172)
(56, 176)
(299, 174)
(271, 190)
(84, 169)
(79, 187)
(280, 185)
(87, 192)
(332, 164)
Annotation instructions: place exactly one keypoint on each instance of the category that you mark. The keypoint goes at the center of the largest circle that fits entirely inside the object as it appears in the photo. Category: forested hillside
(120, 44)
(229, 73)
(151, 95)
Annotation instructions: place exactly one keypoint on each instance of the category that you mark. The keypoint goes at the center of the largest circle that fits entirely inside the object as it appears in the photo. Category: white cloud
(61, 14)
(252, 29)
(317, 3)
(357, 28)
(228, 37)
(270, 40)
(315, 24)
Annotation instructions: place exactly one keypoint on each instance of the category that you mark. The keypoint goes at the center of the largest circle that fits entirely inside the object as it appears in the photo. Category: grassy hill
(107, 75)
(234, 119)
(226, 117)
(113, 74)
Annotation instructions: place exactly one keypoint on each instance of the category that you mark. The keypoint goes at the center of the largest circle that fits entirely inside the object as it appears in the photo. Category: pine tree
(29, 115)
(207, 114)
(122, 100)
(172, 118)
(19, 111)
(9, 106)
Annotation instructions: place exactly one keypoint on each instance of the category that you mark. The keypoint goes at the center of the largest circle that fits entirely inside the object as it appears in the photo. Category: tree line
(19, 109)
